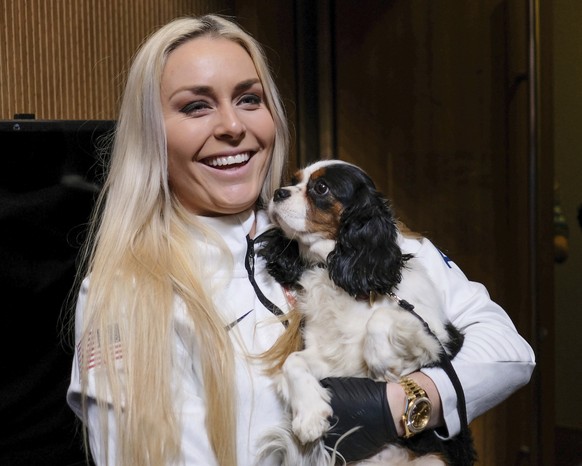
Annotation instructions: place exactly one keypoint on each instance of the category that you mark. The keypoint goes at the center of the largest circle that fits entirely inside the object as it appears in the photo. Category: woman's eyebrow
(203, 90)
(198, 90)
(208, 90)
(247, 84)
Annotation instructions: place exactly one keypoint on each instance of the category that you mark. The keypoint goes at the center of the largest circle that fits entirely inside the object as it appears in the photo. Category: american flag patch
(90, 347)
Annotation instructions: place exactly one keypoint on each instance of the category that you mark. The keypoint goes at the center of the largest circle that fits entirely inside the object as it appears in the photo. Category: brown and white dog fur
(336, 246)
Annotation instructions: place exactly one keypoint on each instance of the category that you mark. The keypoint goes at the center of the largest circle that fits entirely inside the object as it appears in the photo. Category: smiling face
(220, 134)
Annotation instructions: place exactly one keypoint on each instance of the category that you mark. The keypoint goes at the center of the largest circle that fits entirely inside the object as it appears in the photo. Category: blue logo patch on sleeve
(447, 260)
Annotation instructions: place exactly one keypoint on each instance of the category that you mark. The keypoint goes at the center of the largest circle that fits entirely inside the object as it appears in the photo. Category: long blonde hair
(139, 259)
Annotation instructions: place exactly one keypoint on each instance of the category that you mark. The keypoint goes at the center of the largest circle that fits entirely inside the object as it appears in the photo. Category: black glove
(359, 402)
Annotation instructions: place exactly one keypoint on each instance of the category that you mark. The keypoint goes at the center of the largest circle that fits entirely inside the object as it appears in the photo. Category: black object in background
(49, 178)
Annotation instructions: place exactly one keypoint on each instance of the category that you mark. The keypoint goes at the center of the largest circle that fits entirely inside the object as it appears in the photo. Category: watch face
(420, 414)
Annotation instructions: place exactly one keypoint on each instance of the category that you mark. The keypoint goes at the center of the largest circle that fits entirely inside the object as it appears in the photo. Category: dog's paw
(311, 424)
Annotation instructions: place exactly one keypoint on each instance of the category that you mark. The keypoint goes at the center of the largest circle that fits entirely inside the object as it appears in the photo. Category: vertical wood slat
(66, 59)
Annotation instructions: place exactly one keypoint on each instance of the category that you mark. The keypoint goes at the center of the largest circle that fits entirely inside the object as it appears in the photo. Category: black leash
(250, 266)
(445, 363)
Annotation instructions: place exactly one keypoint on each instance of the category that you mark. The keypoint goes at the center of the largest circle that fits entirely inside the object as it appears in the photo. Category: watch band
(411, 389)
(418, 407)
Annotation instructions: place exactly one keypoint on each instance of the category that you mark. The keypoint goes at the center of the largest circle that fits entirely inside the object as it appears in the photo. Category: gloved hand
(359, 402)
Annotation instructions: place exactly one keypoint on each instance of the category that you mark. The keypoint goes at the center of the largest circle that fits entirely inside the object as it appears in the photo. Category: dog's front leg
(396, 344)
(309, 401)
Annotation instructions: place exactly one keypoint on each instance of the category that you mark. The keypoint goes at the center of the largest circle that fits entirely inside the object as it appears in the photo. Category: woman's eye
(321, 188)
(195, 107)
(250, 100)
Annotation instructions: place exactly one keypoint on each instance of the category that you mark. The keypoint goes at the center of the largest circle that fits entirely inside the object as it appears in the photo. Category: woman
(176, 305)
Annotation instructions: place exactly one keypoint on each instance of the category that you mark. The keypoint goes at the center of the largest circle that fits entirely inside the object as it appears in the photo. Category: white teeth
(229, 160)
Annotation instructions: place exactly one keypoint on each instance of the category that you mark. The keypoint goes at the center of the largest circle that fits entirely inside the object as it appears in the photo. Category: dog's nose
(281, 194)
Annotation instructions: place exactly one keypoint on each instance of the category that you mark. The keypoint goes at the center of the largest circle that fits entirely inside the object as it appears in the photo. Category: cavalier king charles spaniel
(334, 248)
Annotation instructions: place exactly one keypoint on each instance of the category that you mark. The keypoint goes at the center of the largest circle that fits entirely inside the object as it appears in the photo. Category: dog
(334, 248)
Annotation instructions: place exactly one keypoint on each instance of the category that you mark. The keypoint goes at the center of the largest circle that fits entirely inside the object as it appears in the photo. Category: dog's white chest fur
(335, 324)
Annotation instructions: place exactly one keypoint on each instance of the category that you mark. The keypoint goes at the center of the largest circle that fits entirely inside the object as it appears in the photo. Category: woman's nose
(229, 125)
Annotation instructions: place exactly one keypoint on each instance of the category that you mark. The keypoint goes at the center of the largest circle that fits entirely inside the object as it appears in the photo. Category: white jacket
(493, 363)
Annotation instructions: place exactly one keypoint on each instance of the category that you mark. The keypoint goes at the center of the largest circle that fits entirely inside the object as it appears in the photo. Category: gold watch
(417, 410)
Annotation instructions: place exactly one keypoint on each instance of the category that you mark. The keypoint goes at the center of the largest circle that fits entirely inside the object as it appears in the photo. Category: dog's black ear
(282, 257)
(366, 257)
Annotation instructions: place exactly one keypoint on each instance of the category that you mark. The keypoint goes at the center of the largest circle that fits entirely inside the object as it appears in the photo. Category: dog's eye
(321, 188)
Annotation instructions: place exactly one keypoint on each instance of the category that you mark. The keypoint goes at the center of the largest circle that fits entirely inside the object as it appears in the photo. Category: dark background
(47, 189)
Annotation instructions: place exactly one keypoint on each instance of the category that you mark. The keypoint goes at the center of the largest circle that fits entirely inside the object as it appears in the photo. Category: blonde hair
(139, 258)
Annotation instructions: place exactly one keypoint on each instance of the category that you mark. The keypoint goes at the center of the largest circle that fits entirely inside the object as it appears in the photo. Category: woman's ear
(282, 257)
(366, 257)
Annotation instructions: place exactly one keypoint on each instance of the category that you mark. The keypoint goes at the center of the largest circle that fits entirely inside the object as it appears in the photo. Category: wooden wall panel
(432, 102)
(66, 59)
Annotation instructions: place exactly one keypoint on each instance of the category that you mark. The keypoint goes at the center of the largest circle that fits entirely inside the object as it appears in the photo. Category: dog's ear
(366, 257)
(282, 257)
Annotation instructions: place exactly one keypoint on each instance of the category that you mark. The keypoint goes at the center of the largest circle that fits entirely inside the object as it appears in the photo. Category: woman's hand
(359, 402)
(376, 408)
